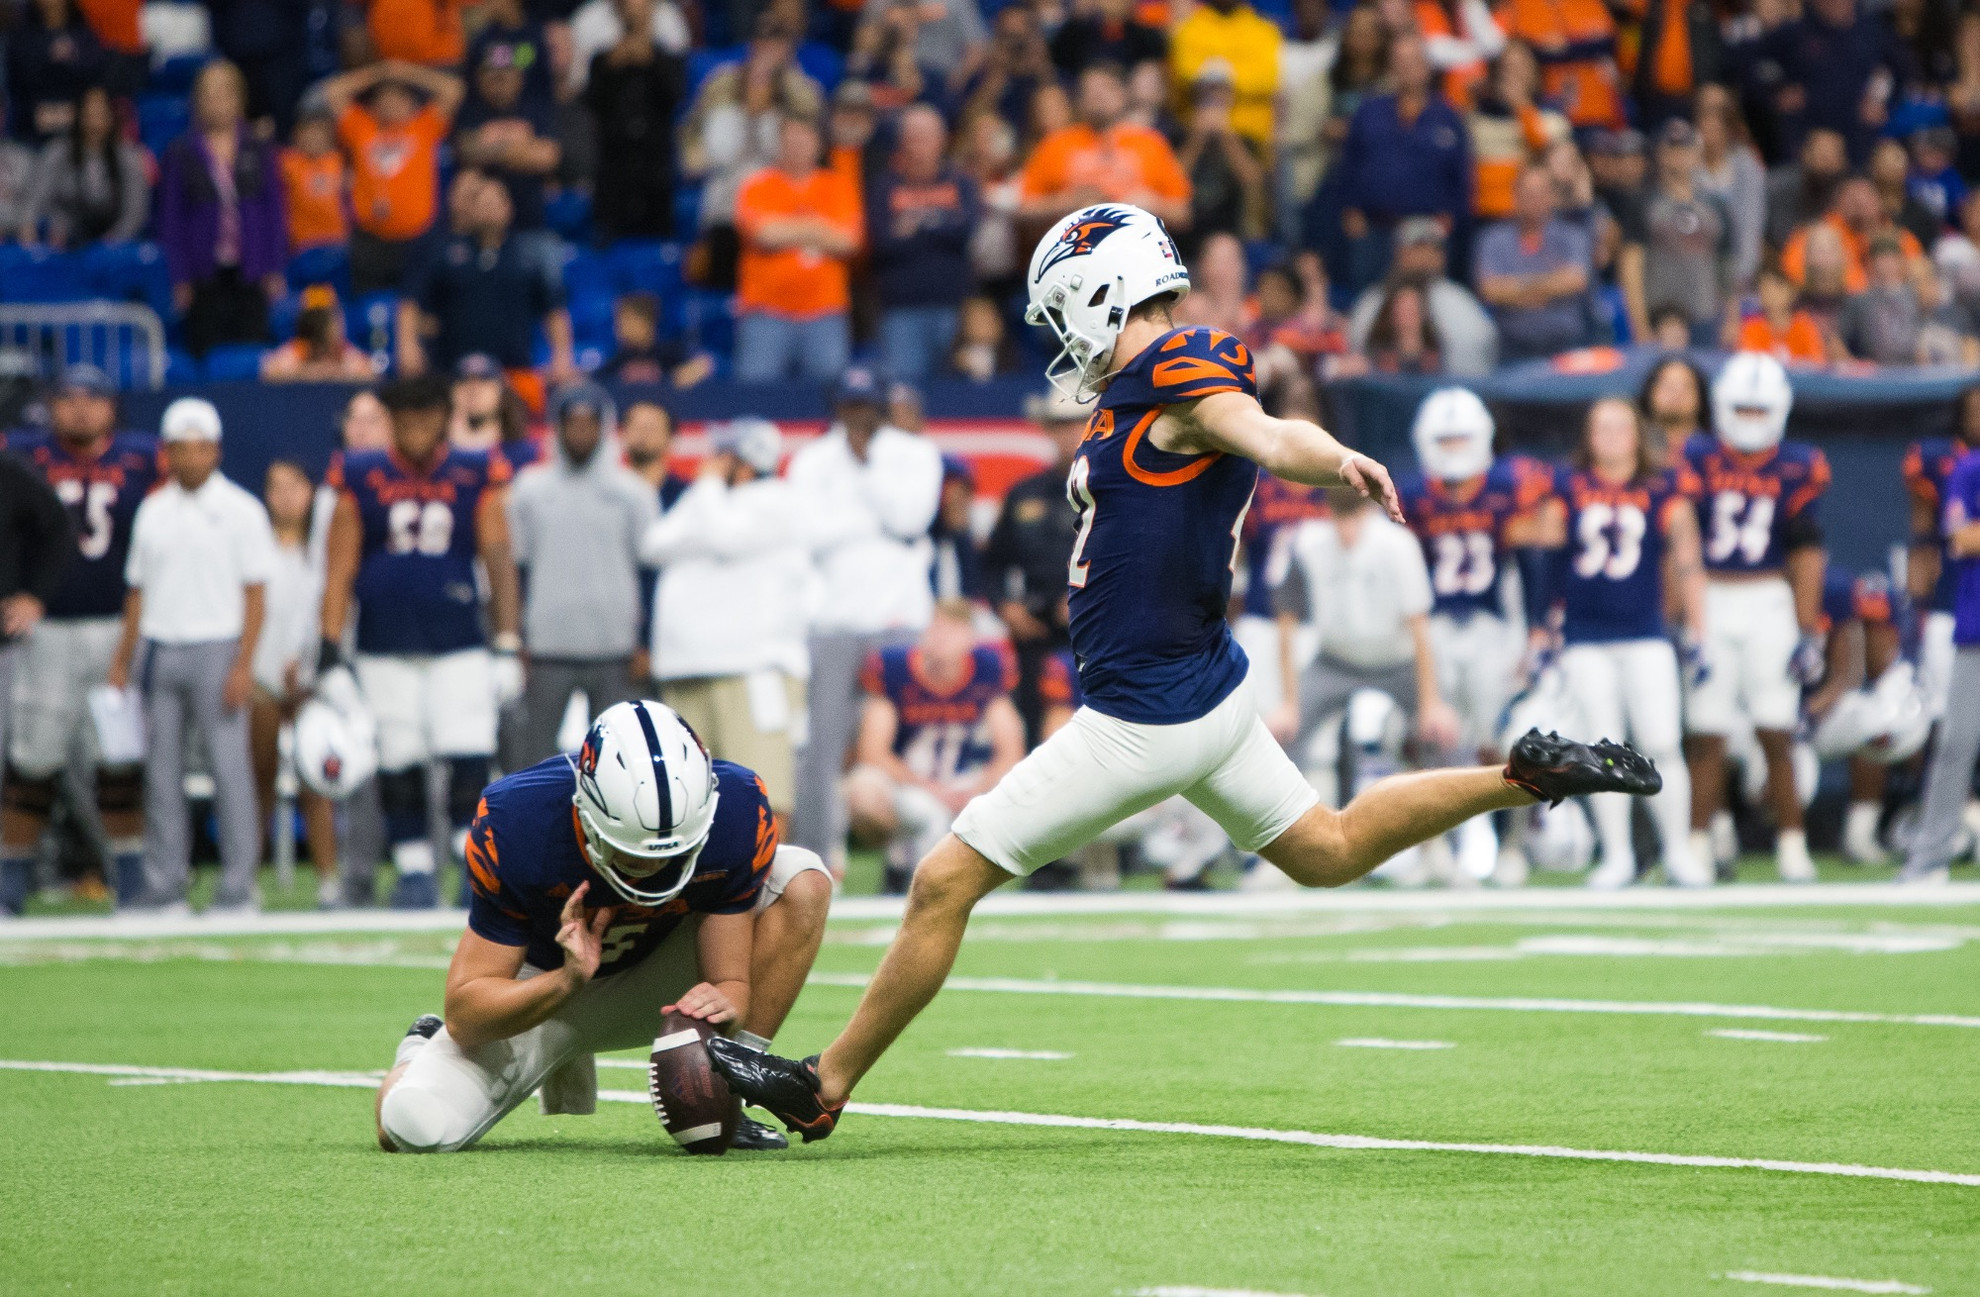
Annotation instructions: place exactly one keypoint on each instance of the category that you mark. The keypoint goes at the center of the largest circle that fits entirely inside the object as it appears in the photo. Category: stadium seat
(129, 272)
(326, 265)
(282, 316)
(709, 322)
(38, 275)
(646, 266)
(181, 370)
(687, 206)
(822, 63)
(175, 75)
(587, 273)
(235, 362)
(702, 62)
(372, 322)
(569, 214)
(162, 119)
(591, 319)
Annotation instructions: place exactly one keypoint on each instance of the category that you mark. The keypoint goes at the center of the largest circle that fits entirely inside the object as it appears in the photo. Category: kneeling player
(938, 728)
(716, 918)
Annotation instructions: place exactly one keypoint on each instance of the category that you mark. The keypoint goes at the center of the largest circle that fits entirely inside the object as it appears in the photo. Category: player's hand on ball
(1373, 481)
(705, 1003)
(582, 935)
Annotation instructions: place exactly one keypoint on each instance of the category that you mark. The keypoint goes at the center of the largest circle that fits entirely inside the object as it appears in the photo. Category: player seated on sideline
(637, 877)
(938, 727)
(1161, 483)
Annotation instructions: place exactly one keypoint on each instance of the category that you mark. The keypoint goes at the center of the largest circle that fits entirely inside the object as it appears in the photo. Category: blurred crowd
(1418, 186)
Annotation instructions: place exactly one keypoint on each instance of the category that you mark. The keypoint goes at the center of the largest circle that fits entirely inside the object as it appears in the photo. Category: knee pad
(402, 797)
(120, 789)
(26, 795)
(419, 1121)
(467, 777)
(788, 864)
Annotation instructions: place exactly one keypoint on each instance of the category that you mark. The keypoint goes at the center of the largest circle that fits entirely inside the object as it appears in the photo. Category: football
(691, 1100)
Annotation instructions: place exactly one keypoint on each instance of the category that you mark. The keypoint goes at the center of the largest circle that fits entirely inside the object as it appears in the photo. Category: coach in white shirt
(730, 617)
(1359, 579)
(869, 493)
(201, 556)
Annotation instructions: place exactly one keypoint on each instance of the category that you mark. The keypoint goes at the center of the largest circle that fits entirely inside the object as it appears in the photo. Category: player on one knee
(938, 728)
(1763, 551)
(1629, 539)
(1869, 709)
(1471, 512)
(607, 888)
(101, 476)
(415, 528)
(1161, 483)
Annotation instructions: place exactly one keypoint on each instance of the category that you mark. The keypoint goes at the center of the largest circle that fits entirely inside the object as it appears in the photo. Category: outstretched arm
(1293, 449)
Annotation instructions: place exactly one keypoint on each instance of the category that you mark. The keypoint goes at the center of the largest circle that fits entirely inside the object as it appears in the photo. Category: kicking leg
(1327, 848)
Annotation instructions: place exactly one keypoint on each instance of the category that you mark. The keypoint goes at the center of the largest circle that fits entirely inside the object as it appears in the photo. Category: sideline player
(1763, 595)
(1628, 539)
(411, 525)
(938, 728)
(101, 477)
(1929, 573)
(712, 916)
(1161, 484)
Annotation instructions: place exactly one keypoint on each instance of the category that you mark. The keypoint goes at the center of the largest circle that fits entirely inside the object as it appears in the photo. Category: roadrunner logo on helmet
(645, 800)
(1087, 273)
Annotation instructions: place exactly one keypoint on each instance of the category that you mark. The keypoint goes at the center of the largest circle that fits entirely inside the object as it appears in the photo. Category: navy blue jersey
(1276, 507)
(1158, 532)
(1746, 503)
(525, 857)
(1962, 507)
(1927, 466)
(1612, 585)
(1462, 528)
(1058, 683)
(1847, 597)
(416, 583)
(943, 735)
(102, 496)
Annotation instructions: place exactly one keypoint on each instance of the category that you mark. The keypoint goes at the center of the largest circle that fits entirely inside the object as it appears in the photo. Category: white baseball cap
(190, 419)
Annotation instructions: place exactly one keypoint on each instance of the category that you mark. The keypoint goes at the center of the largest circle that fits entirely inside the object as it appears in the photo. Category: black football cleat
(1553, 768)
(425, 1025)
(782, 1087)
(753, 1136)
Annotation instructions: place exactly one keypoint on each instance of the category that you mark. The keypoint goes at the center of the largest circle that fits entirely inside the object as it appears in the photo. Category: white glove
(506, 672)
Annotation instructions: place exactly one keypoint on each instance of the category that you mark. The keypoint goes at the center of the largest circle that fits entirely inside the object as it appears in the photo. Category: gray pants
(548, 689)
(1950, 776)
(819, 821)
(1327, 684)
(182, 684)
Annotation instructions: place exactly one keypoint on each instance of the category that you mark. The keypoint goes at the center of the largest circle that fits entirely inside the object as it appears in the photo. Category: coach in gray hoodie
(577, 518)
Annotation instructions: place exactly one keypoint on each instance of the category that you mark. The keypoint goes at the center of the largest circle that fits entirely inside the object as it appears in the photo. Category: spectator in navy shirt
(634, 92)
(1405, 155)
(507, 135)
(1534, 271)
(1839, 70)
(482, 291)
(52, 57)
(921, 212)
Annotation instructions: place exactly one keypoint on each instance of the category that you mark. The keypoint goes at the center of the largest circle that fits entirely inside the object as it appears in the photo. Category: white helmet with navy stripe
(645, 800)
(1751, 398)
(1087, 273)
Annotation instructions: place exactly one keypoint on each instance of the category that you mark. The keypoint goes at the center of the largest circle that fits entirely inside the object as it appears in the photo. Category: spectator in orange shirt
(418, 31)
(1101, 158)
(319, 353)
(1784, 332)
(313, 174)
(394, 147)
(800, 225)
(1576, 42)
(1857, 216)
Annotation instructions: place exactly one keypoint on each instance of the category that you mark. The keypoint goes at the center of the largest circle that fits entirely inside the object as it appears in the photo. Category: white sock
(1861, 826)
(750, 1040)
(414, 857)
(409, 1047)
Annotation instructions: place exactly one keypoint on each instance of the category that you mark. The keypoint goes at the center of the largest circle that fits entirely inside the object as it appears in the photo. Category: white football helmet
(645, 800)
(1453, 435)
(1087, 273)
(335, 748)
(1885, 722)
(1751, 398)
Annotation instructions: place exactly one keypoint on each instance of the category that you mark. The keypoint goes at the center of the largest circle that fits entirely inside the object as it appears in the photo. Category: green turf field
(123, 1181)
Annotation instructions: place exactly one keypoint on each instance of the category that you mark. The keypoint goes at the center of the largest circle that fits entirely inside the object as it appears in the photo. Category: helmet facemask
(1086, 332)
(669, 879)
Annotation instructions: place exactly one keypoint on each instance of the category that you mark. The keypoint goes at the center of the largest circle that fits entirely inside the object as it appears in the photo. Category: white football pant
(1629, 691)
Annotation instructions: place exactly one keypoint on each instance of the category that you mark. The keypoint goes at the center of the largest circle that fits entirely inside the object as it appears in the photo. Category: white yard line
(1784, 1037)
(1191, 1290)
(1823, 1281)
(1309, 1138)
(1030, 905)
(1043, 1055)
(1378, 1042)
(1400, 1000)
